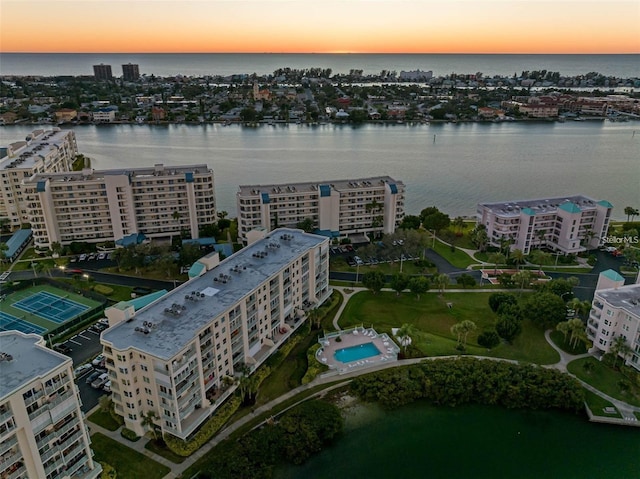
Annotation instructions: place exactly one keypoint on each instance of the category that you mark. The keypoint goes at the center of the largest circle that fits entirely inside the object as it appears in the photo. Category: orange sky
(321, 26)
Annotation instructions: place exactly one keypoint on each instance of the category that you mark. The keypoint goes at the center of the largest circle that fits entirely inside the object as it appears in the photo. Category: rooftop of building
(35, 147)
(308, 186)
(625, 297)
(24, 358)
(89, 174)
(572, 204)
(163, 328)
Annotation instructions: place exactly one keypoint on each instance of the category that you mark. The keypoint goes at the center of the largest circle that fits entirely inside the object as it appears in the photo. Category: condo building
(172, 356)
(568, 224)
(102, 72)
(42, 430)
(40, 152)
(130, 72)
(615, 311)
(108, 205)
(338, 208)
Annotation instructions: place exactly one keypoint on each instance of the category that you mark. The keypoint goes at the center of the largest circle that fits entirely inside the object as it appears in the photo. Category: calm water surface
(474, 442)
(452, 166)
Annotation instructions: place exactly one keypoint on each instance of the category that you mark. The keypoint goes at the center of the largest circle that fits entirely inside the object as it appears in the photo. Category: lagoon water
(452, 166)
(474, 442)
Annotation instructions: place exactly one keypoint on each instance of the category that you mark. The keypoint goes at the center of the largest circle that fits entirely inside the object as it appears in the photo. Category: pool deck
(354, 337)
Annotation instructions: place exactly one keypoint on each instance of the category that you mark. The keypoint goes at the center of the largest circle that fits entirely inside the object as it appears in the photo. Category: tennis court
(9, 322)
(51, 307)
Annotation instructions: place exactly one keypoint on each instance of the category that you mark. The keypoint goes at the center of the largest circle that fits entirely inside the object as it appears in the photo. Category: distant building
(102, 72)
(416, 75)
(64, 115)
(104, 115)
(42, 151)
(108, 205)
(175, 356)
(615, 311)
(130, 72)
(569, 224)
(338, 208)
(42, 429)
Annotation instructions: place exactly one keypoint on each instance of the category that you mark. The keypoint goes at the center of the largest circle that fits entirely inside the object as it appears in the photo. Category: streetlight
(401, 260)
(357, 271)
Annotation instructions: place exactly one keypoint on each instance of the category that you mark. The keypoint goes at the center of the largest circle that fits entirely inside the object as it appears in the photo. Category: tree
(418, 285)
(523, 278)
(57, 248)
(458, 223)
(441, 281)
(399, 282)
(434, 219)
(149, 420)
(410, 222)
(466, 280)
(498, 299)
(540, 257)
(508, 328)
(563, 327)
(619, 347)
(496, 259)
(489, 339)
(630, 211)
(541, 234)
(3, 251)
(544, 309)
(404, 334)
(105, 403)
(307, 225)
(581, 308)
(314, 316)
(462, 330)
(373, 280)
(518, 257)
(5, 225)
(479, 237)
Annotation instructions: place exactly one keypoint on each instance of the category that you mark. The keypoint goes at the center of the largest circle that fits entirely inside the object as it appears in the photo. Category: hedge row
(129, 434)
(314, 367)
(206, 432)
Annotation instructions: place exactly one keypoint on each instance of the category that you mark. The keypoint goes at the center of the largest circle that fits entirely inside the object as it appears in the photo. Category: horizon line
(308, 53)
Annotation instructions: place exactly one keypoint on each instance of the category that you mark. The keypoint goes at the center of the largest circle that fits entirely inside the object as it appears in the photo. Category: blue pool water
(355, 353)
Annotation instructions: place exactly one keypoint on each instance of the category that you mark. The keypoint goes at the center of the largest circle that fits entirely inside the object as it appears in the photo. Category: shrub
(489, 339)
(102, 289)
(108, 471)
(314, 366)
(497, 299)
(206, 432)
(129, 434)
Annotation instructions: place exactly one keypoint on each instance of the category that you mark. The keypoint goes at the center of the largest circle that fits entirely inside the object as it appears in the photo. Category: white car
(100, 381)
(80, 370)
(107, 387)
(96, 362)
(102, 255)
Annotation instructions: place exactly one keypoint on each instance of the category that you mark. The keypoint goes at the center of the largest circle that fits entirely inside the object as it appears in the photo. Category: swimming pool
(355, 353)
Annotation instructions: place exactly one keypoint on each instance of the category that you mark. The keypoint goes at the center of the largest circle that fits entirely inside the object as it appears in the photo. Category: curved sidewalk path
(625, 409)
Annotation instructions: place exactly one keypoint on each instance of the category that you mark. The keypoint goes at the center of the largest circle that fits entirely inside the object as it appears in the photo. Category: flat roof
(537, 206)
(307, 186)
(627, 297)
(91, 174)
(220, 289)
(16, 241)
(34, 148)
(29, 360)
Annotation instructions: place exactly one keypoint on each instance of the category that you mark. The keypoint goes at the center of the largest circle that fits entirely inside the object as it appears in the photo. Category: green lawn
(160, 448)
(128, 463)
(597, 405)
(433, 319)
(105, 420)
(605, 379)
(408, 267)
(459, 258)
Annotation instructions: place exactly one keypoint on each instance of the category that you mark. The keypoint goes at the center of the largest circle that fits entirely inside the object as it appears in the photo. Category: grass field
(605, 379)
(457, 258)
(6, 305)
(597, 405)
(433, 319)
(128, 463)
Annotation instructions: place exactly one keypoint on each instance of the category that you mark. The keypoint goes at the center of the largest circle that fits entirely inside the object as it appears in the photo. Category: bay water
(451, 166)
(474, 442)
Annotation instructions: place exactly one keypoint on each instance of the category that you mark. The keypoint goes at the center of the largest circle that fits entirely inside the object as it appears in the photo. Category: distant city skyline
(314, 26)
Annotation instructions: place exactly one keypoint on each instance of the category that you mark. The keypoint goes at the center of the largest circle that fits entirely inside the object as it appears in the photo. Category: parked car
(107, 387)
(62, 348)
(100, 381)
(93, 376)
(80, 370)
(358, 260)
(97, 360)
(102, 256)
(92, 256)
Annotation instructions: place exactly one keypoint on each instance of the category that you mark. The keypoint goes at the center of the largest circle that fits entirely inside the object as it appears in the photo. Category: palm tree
(467, 327)
(541, 236)
(518, 257)
(619, 347)
(404, 334)
(56, 248)
(563, 327)
(540, 257)
(496, 258)
(630, 211)
(441, 281)
(149, 420)
(313, 315)
(523, 278)
(3, 248)
(581, 308)
(458, 222)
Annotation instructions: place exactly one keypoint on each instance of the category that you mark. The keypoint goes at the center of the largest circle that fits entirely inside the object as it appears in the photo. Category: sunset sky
(321, 26)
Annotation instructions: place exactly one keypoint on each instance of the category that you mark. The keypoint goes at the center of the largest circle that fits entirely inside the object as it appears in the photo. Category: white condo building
(338, 208)
(108, 205)
(40, 152)
(568, 224)
(171, 357)
(615, 311)
(42, 430)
